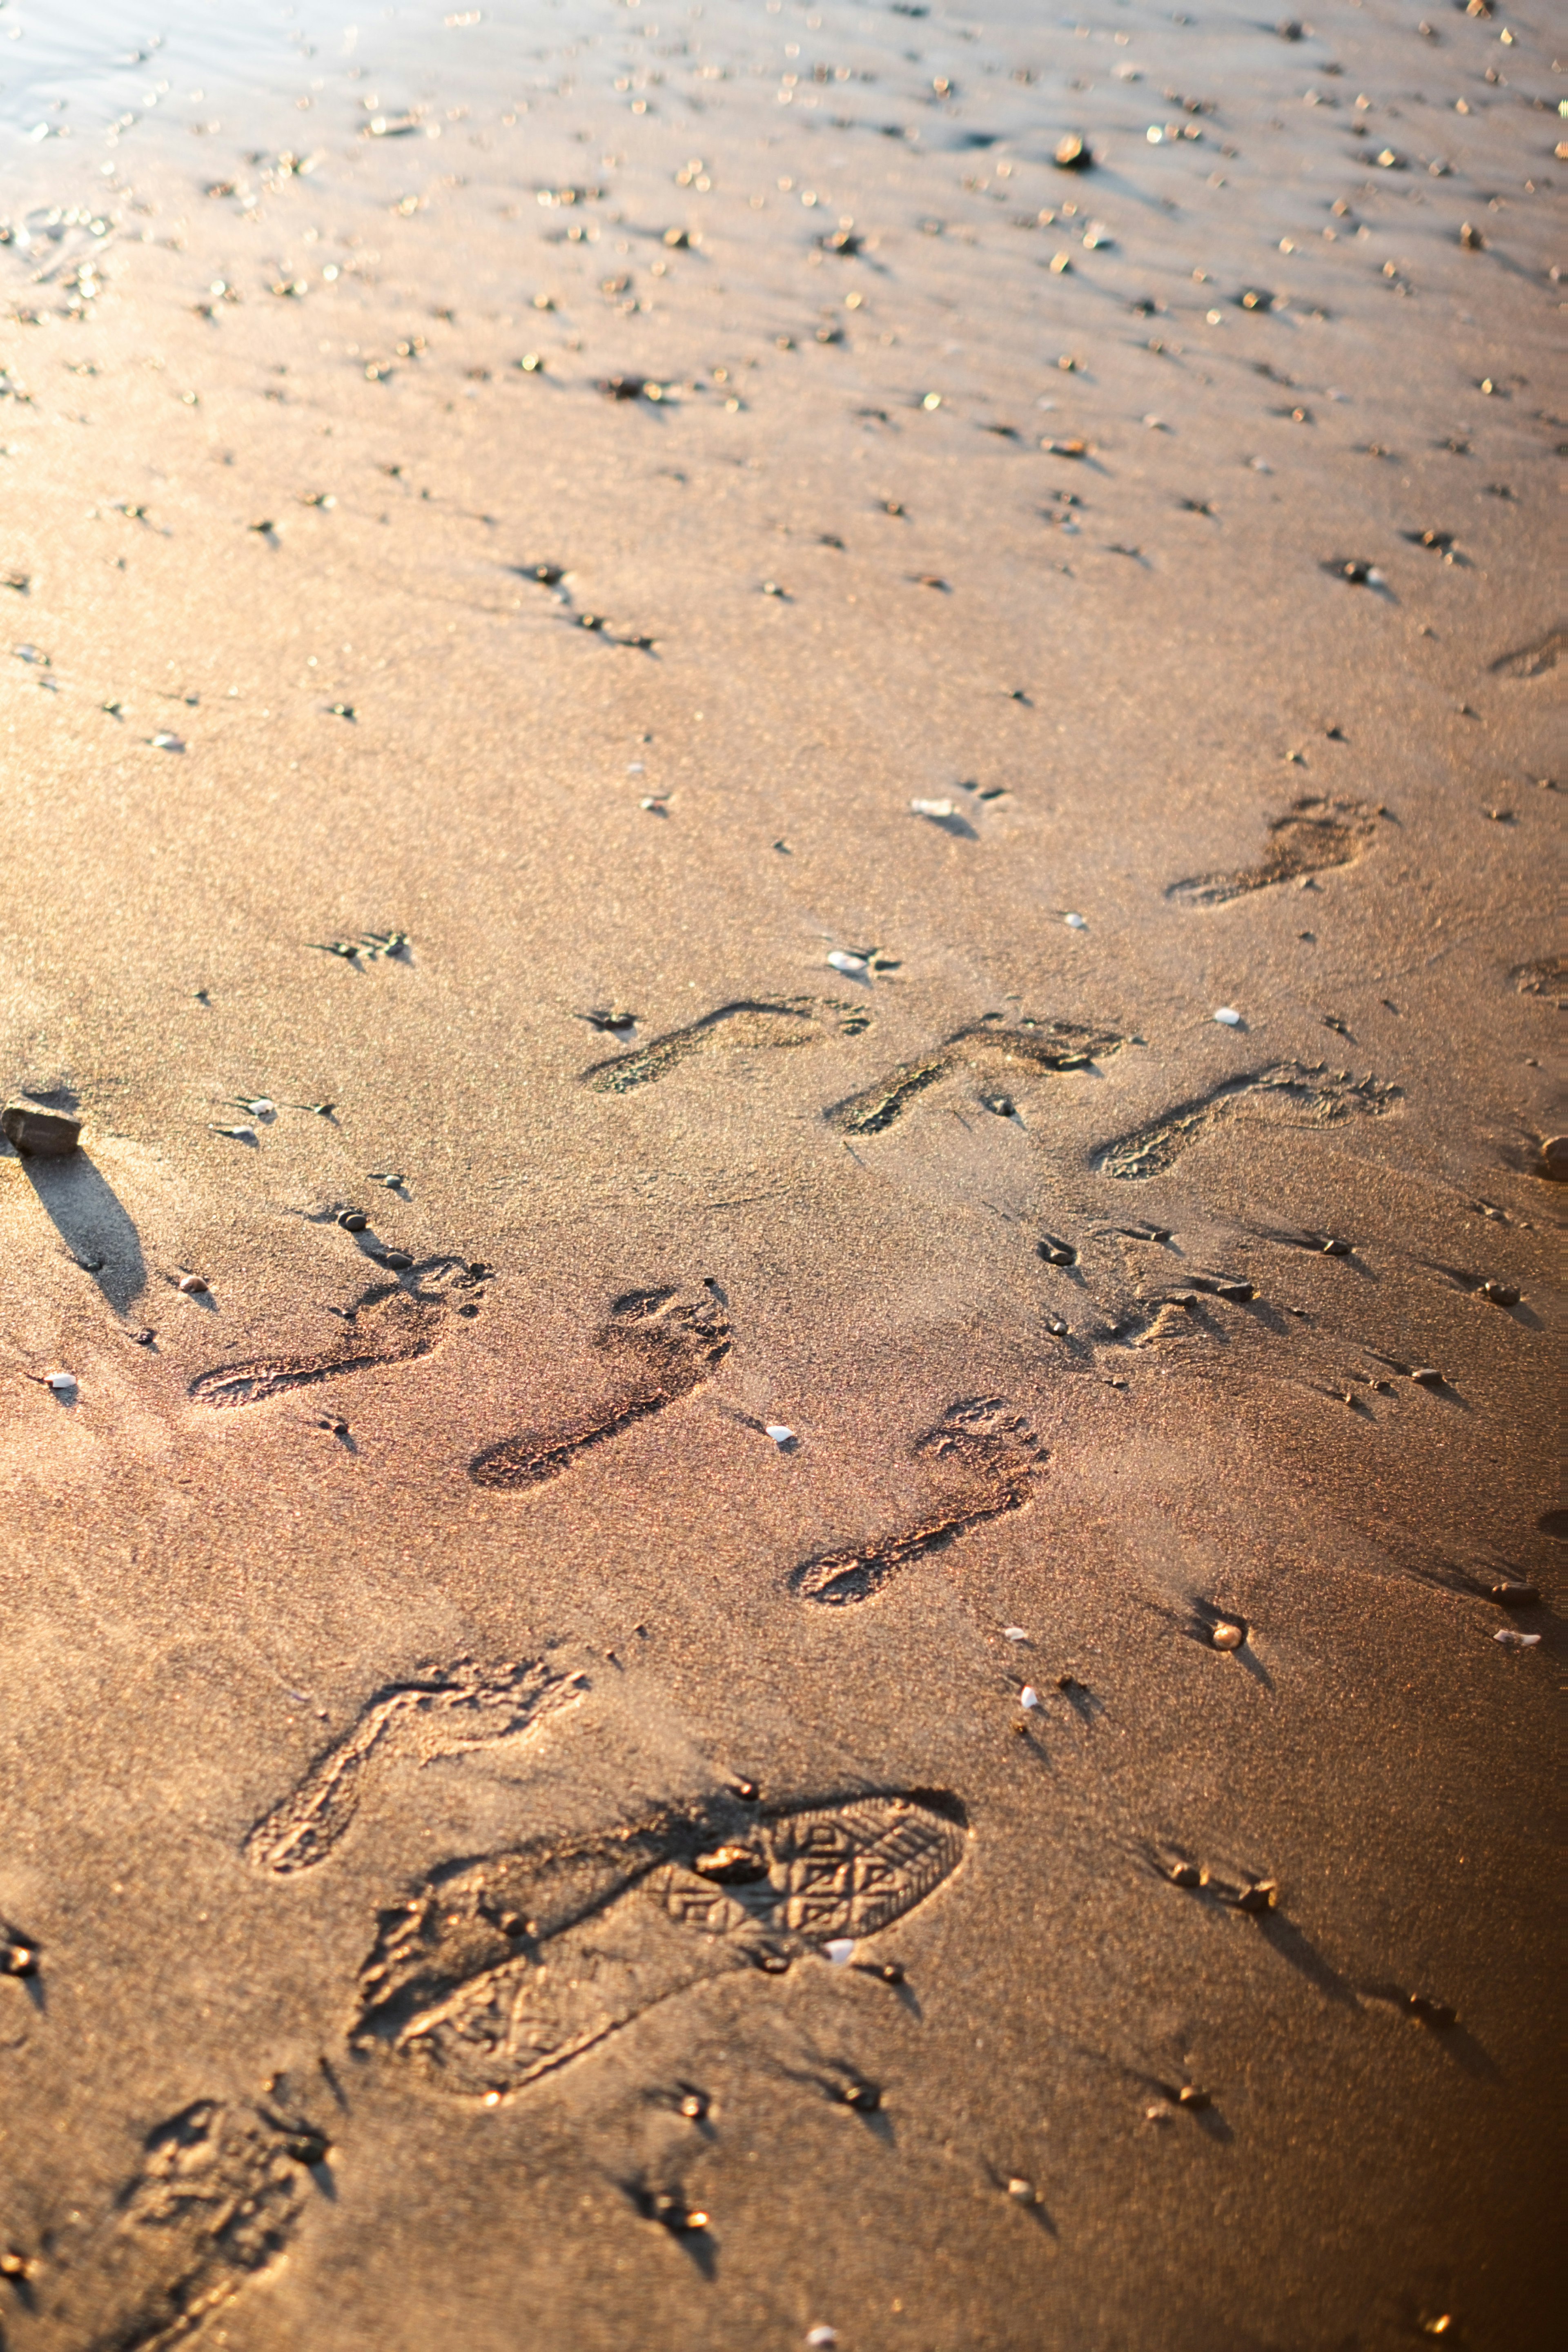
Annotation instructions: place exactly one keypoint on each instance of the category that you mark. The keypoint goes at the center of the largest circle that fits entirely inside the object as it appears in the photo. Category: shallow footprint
(1053, 1045)
(1290, 1094)
(218, 2196)
(794, 1021)
(388, 1328)
(498, 1971)
(444, 1710)
(978, 1447)
(661, 1347)
(1312, 836)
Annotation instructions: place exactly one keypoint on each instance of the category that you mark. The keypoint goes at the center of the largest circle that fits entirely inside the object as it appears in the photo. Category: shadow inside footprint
(987, 1454)
(441, 1712)
(392, 1324)
(1311, 836)
(661, 1348)
(1290, 1094)
(1535, 660)
(795, 1020)
(215, 2200)
(1052, 1045)
(495, 1972)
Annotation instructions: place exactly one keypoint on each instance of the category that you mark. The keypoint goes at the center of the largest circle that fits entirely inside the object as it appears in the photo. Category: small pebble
(821, 2338)
(399, 1260)
(35, 1130)
(779, 1434)
(1014, 1633)
(62, 1383)
(1502, 1293)
(933, 808)
(1228, 1017)
(1431, 2012)
(856, 966)
(838, 1949)
(1512, 1641)
(1425, 1378)
(1257, 1898)
(353, 1221)
(1023, 2190)
(1076, 922)
(1029, 1699)
(1227, 1637)
(193, 1286)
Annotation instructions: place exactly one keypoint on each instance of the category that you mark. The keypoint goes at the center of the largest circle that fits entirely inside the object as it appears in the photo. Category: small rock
(1228, 1637)
(353, 1221)
(1189, 2095)
(1515, 1596)
(1259, 1897)
(1185, 1874)
(1029, 1699)
(1228, 1017)
(39, 1133)
(1072, 154)
(1502, 1293)
(1425, 1378)
(1553, 1157)
(778, 1432)
(1023, 2192)
(838, 1949)
(1014, 1633)
(1512, 1641)
(1076, 922)
(821, 2338)
(855, 966)
(62, 1383)
(1431, 2012)
(933, 808)
(193, 1286)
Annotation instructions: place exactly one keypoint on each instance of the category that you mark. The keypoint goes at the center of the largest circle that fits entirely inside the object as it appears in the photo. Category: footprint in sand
(1312, 836)
(442, 1711)
(219, 2192)
(1290, 1094)
(988, 1459)
(1533, 661)
(495, 1972)
(1053, 1046)
(660, 1344)
(733, 1028)
(390, 1326)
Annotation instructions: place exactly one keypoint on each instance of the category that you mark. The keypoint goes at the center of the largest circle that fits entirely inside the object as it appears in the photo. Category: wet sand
(875, 1657)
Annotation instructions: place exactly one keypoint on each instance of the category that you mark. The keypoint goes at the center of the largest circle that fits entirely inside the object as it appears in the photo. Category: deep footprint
(1312, 836)
(987, 1451)
(387, 1328)
(1291, 1094)
(445, 1710)
(1053, 1045)
(796, 1021)
(1533, 661)
(218, 2195)
(661, 1349)
(496, 1972)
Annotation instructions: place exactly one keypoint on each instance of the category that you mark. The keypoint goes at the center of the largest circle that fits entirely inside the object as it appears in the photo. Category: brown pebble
(1424, 1377)
(1554, 1156)
(1228, 1637)
(1189, 2095)
(353, 1221)
(1431, 2012)
(193, 1286)
(1071, 154)
(1024, 2191)
(1257, 1898)
(39, 1133)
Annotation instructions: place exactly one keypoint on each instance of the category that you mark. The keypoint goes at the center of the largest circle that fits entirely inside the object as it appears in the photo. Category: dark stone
(37, 1131)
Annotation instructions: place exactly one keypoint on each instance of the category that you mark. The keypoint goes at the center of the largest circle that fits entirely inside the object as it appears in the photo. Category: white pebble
(1014, 1633)
(1228, 1017)
(838, 1950)
(854, 965)
(1029, 1699)
(779, 1434)
(62, 1385)
(821, 2337)
(1512, 1641)
(1076, 922)
(931, 808)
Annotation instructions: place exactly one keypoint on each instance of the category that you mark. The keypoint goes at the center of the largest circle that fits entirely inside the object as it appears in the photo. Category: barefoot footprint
(988, 1454)
(442, 1711)
(498, 1971)
(661, 1346)
(1312, 836)
(388, 1326)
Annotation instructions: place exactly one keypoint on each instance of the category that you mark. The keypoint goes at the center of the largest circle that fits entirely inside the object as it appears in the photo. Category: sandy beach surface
(779, 1543)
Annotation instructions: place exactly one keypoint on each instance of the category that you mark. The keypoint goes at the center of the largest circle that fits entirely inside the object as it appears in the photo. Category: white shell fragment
(65, 1384)
(1228, 1017)
(856, 966)
(1014, 1633)
(838, 1949)
(1029, 1699)
(778, 1432)
(1076, 922)
(933, 808)
(1512, 1641)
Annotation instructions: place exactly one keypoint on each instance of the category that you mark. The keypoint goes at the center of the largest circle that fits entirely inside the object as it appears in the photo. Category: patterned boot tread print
(498, 1971)
(1312, 836)
(979, 1448)
(1291, 1094)
(441, 1712)
(1051, 1045)
(390, 1326)
(661, 1345)
(795, 1020)
(218, 2195)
